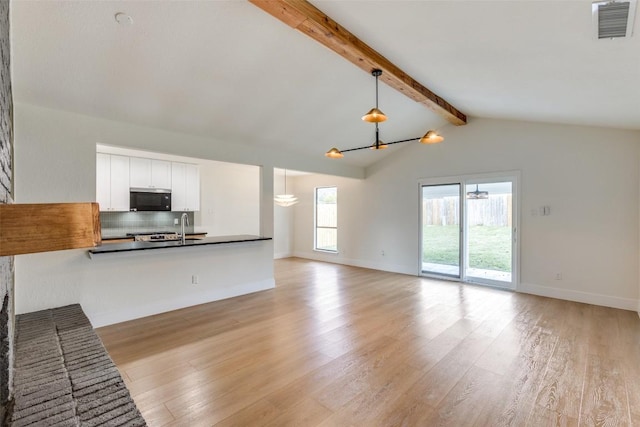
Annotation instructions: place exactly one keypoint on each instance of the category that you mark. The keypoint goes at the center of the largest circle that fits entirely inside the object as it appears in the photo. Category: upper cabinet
(149, 173)
(160, 174)
(192, 187)
(112, 182)
(103, 181)
(115, 175)
(185, 187)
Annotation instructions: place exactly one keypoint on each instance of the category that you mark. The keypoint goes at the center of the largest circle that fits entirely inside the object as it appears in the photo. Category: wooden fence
(494, 211)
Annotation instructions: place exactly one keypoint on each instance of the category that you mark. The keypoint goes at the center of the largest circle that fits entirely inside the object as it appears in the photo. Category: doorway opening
(469, 229)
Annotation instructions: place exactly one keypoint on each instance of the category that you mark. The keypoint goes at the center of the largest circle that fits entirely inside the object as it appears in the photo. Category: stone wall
(6, 191)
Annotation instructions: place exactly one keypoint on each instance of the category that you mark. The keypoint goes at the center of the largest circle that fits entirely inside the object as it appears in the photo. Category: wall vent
(613, 19)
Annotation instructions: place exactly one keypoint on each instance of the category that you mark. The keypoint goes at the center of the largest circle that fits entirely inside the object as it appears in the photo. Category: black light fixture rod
(387, 143)
(402, 140)
(354, 149)
(377, 73)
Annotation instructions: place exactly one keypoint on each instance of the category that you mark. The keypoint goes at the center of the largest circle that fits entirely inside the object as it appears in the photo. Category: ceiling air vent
(613, 19)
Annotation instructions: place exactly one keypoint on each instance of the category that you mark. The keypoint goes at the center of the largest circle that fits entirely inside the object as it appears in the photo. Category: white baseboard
(156, 307)
(280, 255)
(579, 296)
(545, 291)
(337, 259)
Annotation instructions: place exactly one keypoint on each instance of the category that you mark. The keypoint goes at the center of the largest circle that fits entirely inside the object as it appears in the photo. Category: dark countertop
(141, 246)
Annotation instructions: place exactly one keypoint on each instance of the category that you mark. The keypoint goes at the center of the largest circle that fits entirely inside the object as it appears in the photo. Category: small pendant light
(285, 200)
(334, 153)
(431, 137)
(375, 115)
(476, 195)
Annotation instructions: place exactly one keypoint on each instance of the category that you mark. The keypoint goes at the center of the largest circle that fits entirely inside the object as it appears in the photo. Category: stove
(161, 236)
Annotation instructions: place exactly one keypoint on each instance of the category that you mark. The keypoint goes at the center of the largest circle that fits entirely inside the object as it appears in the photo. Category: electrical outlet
(558, 276)
(382, 253)
(194, 279)
(176, 221)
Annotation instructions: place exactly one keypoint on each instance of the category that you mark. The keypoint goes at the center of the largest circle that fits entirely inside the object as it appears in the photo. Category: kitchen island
(125, 281)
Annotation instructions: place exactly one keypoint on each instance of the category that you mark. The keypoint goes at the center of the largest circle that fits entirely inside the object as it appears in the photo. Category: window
(326, 236)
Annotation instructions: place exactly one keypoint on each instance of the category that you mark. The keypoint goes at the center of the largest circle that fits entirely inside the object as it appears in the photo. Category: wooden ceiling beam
(305, 17)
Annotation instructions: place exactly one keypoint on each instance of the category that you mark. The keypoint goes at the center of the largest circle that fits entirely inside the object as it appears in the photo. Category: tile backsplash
(115, 224)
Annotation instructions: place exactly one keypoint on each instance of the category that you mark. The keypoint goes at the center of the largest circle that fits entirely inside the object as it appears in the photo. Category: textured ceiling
(228, 70)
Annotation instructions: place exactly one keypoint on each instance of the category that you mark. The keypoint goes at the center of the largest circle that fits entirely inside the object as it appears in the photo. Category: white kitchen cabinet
(112, 182)
(178, 188)
(119, 183)
(160, 174)
(139, 172)
(149, 173)
(185, 187)
(103, 181)
(193, 187)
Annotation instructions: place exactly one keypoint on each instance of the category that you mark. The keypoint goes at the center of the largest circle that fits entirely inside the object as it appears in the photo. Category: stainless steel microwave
(149, 199)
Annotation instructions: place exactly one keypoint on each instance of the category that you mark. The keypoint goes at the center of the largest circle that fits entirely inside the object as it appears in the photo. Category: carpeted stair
(63, 375)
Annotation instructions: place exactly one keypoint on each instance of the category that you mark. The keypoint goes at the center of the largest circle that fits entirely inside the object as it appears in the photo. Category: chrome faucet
(184, 218)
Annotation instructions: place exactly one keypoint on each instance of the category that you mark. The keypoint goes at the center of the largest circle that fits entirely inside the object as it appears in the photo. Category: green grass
(489, 247)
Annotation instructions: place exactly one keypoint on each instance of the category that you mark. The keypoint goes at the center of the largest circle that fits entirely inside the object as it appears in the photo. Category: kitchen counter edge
(142, 246)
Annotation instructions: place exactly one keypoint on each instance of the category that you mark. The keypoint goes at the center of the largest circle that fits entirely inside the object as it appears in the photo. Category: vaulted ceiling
(229, 70)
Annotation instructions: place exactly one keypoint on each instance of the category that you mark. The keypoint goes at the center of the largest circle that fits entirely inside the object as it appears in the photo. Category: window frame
(315, 220)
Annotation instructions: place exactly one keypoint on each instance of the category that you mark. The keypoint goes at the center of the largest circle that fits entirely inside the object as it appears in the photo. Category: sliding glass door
(468, 229)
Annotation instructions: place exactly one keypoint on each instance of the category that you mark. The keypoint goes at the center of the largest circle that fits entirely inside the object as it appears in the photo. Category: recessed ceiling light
(123, 19)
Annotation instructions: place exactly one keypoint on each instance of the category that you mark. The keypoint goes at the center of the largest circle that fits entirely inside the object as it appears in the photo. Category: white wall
(282, 217)
(588, 176)
(229, 199)
(55, 162)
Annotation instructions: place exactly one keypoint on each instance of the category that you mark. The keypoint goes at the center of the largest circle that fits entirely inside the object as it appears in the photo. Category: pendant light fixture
(285, 200)
(431, 137)
(376, 116)
(475, 195)
(334, 153)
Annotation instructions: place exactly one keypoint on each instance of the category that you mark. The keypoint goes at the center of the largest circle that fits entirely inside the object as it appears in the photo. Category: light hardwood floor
(342, 346)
